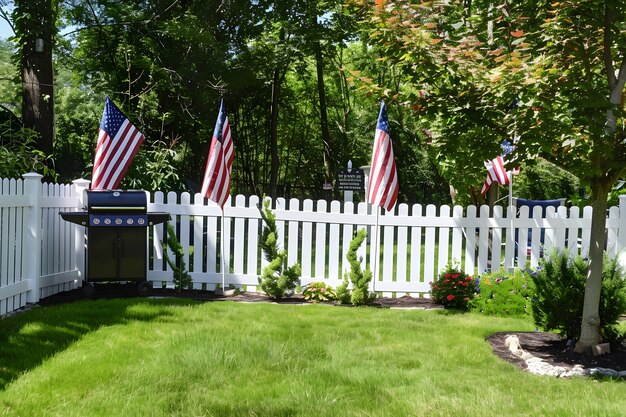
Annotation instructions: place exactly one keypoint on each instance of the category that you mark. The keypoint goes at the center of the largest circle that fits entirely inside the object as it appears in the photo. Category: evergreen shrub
(360, 280)
(276, 279)
(560, 292)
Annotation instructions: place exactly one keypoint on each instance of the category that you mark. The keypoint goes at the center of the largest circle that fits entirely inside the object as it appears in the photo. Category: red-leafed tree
(562, 63)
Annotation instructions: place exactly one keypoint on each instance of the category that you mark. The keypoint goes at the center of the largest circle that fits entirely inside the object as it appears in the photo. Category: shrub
(453, 288)
(319, 292)
(276, 279)
(504, 294)
(360, 294)
(560, 292)
(182, 279)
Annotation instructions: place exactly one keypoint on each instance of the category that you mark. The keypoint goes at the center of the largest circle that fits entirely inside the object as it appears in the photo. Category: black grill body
(116, 233)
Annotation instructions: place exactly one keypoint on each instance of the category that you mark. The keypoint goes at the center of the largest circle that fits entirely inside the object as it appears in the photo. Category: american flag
(495, 172)
(383, 181)
(216, 182)
(118, 142)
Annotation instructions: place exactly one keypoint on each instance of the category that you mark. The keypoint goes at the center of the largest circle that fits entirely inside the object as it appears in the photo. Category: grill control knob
(118, 221)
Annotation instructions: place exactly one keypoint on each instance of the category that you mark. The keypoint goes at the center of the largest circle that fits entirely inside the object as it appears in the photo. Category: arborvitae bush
(182, 279)
(560, 292)
(360, 294)
(276, 279)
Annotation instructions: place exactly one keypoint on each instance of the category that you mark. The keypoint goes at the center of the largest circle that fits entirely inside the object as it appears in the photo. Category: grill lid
(107, 201)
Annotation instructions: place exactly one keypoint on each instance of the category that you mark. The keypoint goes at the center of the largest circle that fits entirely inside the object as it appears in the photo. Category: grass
(164, 357)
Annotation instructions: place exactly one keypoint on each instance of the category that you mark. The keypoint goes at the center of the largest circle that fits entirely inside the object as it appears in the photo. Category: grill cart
(116, 235)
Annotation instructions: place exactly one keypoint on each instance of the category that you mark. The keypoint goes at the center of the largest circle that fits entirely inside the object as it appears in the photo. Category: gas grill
(116, 234)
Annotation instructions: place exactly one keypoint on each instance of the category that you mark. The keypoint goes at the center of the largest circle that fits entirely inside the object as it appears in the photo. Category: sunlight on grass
(142, 357)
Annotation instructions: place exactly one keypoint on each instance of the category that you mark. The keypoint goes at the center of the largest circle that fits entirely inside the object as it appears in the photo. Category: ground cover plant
(166, 357)
(504, 294)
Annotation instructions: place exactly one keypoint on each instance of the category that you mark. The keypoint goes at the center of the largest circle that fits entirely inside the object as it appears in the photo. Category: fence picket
(253, 239)
(293, 231)
(483, 241)
(470, 240)
(586, 232)
(307, 240)
(416, 247)
(429, 246)
(334, 240)
(320, 244)
(402, 247)
(444, 240)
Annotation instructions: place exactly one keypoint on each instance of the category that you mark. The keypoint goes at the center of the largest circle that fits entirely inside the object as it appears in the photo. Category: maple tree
(552, 73)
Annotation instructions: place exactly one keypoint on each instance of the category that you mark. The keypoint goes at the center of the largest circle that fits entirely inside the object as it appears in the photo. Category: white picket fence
(415, 243)
(40, 254)
(38, 251)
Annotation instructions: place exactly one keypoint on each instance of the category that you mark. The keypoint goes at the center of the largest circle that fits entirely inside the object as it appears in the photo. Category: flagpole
(222, 267)
(510, 174)
(376, 251)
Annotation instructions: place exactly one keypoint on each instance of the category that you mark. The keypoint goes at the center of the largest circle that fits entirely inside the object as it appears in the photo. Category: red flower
(460, 283)
(450, 297)
(455, 276)
(465, 284)
(447, 275)
(435, 287)
(445, 280)
(468, 278)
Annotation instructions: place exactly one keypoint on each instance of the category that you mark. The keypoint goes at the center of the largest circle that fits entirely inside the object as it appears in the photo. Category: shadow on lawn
(29, 338)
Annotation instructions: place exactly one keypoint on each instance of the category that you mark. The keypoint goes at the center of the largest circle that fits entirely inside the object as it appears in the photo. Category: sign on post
(350, 180)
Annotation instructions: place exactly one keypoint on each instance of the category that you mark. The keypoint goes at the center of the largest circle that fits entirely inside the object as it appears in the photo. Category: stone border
(538, 366)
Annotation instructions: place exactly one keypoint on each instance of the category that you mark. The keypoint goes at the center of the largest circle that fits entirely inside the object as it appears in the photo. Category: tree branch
(606, 47)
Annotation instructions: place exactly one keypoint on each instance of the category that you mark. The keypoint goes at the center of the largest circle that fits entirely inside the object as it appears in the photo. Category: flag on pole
(495, 172)
(383, 182)
(118, 142)
(216, 182)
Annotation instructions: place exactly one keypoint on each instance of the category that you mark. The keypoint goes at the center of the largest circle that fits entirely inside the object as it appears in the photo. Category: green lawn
(164, 357)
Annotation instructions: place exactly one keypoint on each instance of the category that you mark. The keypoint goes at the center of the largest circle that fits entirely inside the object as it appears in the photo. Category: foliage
(319, 292)
(182, 279)
(360, 280)
(19, 155)
(560, 288)
(453, 288)
(542, 180)
(504, 294)
(276, 279)
(152, 169)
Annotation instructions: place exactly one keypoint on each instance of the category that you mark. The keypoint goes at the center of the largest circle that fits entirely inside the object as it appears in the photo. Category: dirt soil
(548, 346)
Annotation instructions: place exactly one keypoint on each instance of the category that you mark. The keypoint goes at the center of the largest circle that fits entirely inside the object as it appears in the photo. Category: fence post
(80, 185)
(31, 262)
(621, 231)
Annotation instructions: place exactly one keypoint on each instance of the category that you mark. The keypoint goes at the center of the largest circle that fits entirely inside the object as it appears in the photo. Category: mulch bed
(554, 350)
(548, 346)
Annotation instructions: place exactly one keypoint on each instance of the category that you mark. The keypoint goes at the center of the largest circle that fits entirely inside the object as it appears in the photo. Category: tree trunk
(274, 134)
(319, 63)
(37, 74)
(590, 328)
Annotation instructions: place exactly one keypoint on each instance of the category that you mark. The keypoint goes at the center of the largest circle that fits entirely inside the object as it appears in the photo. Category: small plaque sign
(352, 180)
